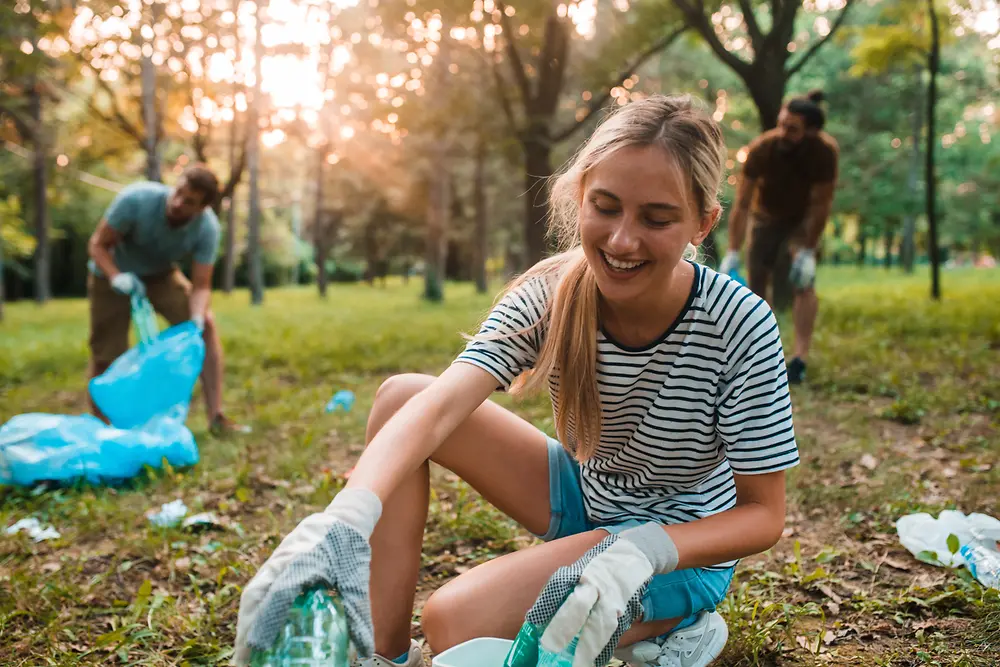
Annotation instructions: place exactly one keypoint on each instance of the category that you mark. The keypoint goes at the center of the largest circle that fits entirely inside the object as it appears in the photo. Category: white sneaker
(695, 646)
(415, 658)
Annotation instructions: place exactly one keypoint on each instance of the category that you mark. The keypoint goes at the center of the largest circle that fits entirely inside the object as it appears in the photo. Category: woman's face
(637, 216)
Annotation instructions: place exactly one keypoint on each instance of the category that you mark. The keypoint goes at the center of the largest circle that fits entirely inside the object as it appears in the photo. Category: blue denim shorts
(680, 594)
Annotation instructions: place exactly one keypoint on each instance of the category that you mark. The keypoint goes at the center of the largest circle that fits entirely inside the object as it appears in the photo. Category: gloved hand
(328, 549)
(199, 321)
(128, 284)
(730, 263)
(803, 272)
(599, 597)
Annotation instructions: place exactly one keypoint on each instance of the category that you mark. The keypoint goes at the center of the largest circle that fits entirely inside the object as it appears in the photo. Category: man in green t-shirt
(146, 230)
(786, 191)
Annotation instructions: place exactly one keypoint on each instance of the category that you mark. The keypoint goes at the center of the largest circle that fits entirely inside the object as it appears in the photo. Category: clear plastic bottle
(315, 635)
(527, 651)
(562, 659)
(983, 562)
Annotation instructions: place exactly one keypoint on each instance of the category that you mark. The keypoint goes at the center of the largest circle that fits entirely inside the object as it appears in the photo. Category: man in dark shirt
(787, 190)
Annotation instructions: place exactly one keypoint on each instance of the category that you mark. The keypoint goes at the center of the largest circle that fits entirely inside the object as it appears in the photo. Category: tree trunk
(437, 238)
(43, 286)
(229, 273)
(479, 203)
(319, 232)
(253, 161)
(537, 170)
(149, 115)
(908, 245)
(3, 294)
(862, 248)
(933, 63)
(890, 239)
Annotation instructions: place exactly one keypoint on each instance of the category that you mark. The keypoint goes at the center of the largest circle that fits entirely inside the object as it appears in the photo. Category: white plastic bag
(924, 536)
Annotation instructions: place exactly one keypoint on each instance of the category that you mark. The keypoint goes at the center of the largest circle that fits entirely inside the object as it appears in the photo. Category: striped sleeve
(754, 407)
(511, 336)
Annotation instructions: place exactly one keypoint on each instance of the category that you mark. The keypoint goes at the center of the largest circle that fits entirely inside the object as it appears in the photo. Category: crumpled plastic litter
(35, 530)
(921, 533)
(343, 399)
(170, 514)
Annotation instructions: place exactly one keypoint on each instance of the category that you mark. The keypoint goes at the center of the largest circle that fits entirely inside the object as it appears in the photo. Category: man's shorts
(680, 594)
(111, 312)
(768, 240)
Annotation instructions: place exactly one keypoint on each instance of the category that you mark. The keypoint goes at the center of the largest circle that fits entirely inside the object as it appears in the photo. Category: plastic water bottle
(984, 564)
(562, 659)
(315, 635)
(527, 651)
(524, 652)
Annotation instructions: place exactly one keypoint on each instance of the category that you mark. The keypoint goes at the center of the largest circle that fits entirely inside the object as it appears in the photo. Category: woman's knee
(448, 617)
(393, 393)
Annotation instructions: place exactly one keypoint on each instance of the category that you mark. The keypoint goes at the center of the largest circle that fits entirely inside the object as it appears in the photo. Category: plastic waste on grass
(983, 563)
(35, 530)
(37, 447)
(343, 399)
(315, 635)
(927, 538)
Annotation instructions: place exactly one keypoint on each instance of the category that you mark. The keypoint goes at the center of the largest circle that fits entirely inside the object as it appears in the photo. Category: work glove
(328, 549)
(128, 284)
(597, 598)
(199, 321)
(803, 272)
(730, 263)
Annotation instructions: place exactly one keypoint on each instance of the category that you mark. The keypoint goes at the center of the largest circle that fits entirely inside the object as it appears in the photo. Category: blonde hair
(683, 129)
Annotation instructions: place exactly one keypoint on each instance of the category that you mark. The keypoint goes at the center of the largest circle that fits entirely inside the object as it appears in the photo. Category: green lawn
(914, 385)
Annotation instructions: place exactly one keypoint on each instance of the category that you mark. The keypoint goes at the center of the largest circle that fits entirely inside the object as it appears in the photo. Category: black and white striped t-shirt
(708, 399)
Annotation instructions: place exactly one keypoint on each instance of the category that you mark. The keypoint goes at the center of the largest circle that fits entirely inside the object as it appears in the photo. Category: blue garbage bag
(151, 379)
(38, 447)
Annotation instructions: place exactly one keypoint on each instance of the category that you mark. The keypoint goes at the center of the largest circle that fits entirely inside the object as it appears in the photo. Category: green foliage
(16, 240)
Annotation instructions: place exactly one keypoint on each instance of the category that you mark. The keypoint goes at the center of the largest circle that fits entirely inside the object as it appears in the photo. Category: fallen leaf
(182, 563)
(899, 565)
(829, 638)
(829, 592)
(788, 531)
(869, 461)
(833, 607)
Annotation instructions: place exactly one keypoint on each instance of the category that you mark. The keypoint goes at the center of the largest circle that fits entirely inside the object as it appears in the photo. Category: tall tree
(764, 68)
(253, 160)
(539, 88)
(933, 64)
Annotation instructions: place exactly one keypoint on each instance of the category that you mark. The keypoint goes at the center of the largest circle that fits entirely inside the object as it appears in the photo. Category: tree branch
(236, 172)
(753, 28)
(501, 88)
(552, 64)
(695, 16)
(25, 126)
(818, 45)
(520, 75)
(784, 12)
(597, 102)
(119, 117)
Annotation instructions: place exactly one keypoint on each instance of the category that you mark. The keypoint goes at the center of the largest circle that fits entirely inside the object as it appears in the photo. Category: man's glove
(803, 271)
(730, 263)
(128, 284)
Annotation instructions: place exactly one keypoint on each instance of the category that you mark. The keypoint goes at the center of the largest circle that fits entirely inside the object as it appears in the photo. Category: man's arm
(100, 247)
(740, 213)
(201, 290)
(820, 203)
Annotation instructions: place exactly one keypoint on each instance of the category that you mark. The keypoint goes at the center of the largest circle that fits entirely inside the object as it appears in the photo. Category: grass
(902, 414)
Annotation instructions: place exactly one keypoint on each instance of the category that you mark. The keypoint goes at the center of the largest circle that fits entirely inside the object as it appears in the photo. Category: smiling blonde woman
(672, 415)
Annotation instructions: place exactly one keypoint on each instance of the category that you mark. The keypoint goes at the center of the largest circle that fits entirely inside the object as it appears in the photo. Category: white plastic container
(479, 652)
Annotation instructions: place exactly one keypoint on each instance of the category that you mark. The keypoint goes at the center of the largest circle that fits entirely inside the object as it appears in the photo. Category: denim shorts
(680, 594)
